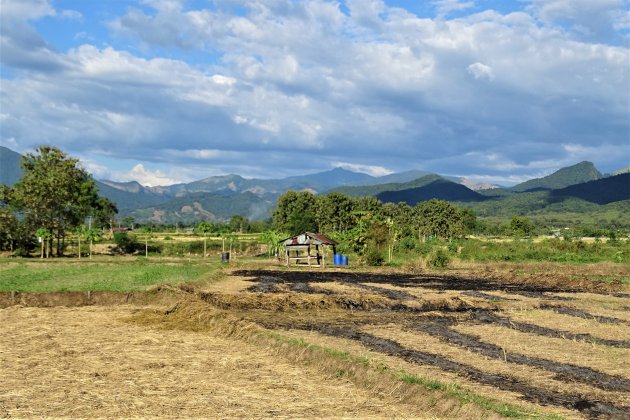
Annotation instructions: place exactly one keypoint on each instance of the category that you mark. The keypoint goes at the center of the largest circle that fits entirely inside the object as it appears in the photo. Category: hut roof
(308, 238)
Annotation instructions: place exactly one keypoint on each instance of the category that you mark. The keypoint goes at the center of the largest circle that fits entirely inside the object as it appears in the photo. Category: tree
(54, 193)
(521, 226)
(205, 228)
(128, 221)
(91, 235)
(272, 240)
(9, 229)
(42, 235)
(440, 219)
(334, 212)
(295, 212)
(105, 215)
(239, 224)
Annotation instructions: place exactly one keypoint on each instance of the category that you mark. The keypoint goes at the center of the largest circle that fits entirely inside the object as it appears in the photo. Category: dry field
(475, 342)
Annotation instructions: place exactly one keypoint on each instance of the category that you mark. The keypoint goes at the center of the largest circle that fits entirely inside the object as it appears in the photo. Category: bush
(438, 259)
(374, 257)
(21, 252)
(125, 243)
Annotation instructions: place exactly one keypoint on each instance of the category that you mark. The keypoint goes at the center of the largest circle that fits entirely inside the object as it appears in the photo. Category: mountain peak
(584, 171)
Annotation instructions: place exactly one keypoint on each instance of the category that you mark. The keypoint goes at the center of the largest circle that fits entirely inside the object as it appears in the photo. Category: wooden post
(204, 247)
(146, 247)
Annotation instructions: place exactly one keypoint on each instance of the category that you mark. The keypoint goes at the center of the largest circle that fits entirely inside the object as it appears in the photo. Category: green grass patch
(112, 275)
(454, 390)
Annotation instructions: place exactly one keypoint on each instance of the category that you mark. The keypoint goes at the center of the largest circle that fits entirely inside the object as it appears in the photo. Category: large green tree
(440, 219)
(334, 212)
(295, 213)
(54, 193)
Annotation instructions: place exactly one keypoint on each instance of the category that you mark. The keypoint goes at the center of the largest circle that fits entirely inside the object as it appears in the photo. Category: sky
(169, 91)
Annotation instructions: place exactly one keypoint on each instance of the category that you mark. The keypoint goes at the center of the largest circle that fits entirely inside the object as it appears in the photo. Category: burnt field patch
(439, 282)
(432, 304)
(592, 408)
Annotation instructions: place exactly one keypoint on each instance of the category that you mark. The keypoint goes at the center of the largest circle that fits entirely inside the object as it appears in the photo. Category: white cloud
(305, 81)
(481, 71)
(446, 7)
(373, 170)
(146, 177)
(593, 20)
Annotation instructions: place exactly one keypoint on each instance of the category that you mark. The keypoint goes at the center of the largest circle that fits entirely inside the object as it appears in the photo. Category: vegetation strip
(488, 317)
(439, 328)
(530, 393)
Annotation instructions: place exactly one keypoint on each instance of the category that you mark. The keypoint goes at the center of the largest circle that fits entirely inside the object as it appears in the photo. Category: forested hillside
(571, 175)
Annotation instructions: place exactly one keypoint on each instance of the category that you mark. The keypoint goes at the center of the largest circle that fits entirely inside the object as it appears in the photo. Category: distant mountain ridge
(580, 186)
(439, 188)
(10, 170)
(601, 191)
(582, 172)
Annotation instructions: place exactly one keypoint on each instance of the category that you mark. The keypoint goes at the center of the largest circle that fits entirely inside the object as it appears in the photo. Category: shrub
(438, 259)
(125, 243)
(21, 252)
(374, 257)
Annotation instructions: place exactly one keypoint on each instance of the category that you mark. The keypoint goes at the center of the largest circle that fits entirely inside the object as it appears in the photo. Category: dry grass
(550, 319)
(610, 360)
(529, 375)
(85, 362)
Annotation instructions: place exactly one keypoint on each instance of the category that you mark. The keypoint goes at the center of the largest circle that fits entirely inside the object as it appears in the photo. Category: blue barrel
(337, 259)
(344, 260)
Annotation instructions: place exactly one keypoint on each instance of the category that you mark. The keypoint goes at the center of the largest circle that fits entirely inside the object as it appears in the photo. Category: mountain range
(220, 197)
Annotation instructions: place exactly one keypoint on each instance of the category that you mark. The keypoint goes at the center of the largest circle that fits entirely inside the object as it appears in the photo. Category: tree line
(367, 226)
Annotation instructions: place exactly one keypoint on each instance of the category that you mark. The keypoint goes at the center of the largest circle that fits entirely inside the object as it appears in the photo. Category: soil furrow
(563, 371)
(579, 313)
(506, 383)
(488, 317)
(388, 293)
(488, 296)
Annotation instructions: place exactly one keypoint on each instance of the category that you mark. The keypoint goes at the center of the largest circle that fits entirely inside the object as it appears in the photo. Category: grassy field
(112, 274)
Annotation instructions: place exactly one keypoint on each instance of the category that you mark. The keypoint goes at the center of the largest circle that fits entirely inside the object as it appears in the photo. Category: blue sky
(166, 91)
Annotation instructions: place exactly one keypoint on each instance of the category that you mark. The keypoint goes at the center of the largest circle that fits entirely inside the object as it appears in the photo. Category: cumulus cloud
(590, 20)
(481, 71)
(146, 177)
(297, 85)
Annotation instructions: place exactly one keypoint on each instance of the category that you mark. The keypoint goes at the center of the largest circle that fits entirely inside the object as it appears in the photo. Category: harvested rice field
(269, 342)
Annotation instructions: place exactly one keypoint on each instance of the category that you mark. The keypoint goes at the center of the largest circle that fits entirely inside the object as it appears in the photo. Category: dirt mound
(72, 299)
